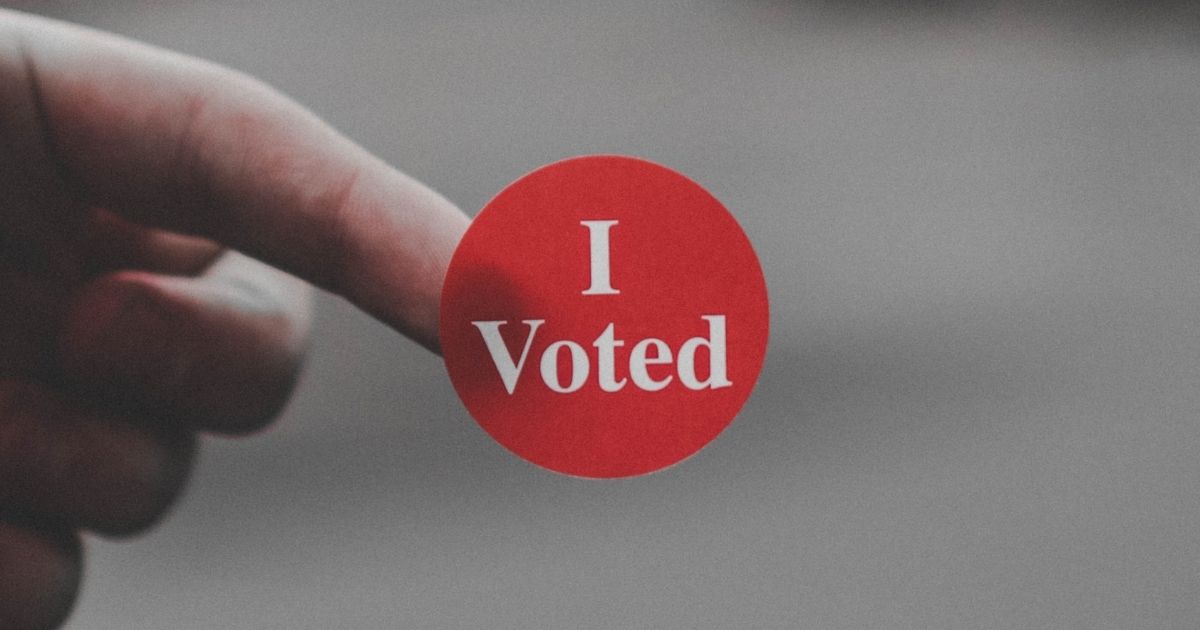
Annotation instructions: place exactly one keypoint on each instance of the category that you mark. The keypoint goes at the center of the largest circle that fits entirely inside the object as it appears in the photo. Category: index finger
(174, 142)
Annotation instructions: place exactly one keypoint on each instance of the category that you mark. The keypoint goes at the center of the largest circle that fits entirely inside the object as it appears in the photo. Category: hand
(130, 178)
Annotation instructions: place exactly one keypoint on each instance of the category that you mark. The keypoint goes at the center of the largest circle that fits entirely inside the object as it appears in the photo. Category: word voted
(645, 353)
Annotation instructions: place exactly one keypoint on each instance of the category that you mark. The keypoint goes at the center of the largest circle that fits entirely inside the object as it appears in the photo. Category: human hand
(148, 202)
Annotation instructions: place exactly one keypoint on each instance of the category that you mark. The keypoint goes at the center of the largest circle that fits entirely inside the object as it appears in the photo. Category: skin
(159, 219)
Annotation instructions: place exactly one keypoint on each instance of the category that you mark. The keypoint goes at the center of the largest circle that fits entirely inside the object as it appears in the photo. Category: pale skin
(160, 217)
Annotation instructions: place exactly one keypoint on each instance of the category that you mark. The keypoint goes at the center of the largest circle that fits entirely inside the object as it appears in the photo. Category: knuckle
(254, 389)
(221, 358)
(24, 442)
(66, 462)
(39, 577)
(143, 486)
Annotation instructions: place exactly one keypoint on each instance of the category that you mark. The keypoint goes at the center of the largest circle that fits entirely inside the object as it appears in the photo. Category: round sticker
(604, 316)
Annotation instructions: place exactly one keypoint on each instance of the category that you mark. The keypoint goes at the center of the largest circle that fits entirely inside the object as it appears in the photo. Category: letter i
(598, 241)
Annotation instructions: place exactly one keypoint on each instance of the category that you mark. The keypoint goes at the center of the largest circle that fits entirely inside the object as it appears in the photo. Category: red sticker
(604, 316)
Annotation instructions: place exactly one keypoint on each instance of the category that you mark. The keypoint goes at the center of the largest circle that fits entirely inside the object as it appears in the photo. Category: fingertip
(398, 241)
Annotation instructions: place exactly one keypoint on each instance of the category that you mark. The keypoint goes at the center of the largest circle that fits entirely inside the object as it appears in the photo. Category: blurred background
(981, 404)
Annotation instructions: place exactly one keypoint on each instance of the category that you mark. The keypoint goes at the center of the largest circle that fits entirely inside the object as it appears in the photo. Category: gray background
(980, 407)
